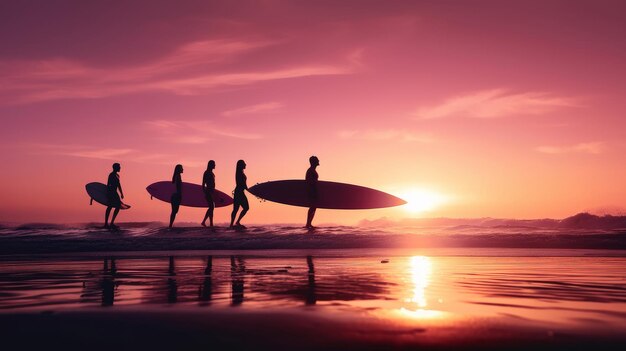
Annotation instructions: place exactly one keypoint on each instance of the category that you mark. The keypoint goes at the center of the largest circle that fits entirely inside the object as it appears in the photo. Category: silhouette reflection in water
(172, 286)
(108, 283)
(311, 298)
(101, 288)
(304, 280)
(206, 289)
(237, 272)
(331, 286)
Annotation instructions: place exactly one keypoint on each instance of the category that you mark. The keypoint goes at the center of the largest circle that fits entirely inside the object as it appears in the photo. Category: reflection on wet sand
(206, 289)
(411, 302)
(417, 303)
(314, 286)
(410, 289)
(311, 299)
(103, 287)
(237, 272)
(108, 283)
(172, 286)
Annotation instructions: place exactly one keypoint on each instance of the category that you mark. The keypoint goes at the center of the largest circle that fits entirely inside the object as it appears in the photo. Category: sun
(421, 200)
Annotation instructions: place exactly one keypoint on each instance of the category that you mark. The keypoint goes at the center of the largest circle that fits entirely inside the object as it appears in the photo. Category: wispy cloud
(120, 155)
(496, 103)
(81, 151)
(596, 147)
(385, 134)
(190, 70)
(195, 132)
(267, 107)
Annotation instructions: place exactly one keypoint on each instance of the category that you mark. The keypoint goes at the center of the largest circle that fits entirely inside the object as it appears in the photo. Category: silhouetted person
(172, 287)
(177, 197)
(206, 290)
(311, 181)
(237, 283)
(311, 297)
(208, 186)
(113, 185)
(239, 196)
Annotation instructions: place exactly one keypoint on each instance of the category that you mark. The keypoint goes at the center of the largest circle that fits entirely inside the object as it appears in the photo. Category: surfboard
(193, 195)
(331, 195)
(98, 193)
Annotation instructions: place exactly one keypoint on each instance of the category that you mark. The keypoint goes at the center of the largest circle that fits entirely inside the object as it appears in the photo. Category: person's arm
(205, 186)
(119, 186)
(311, 182)
(310, 178)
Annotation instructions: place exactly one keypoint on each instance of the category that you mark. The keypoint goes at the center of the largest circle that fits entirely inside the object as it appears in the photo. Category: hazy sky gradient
(504, 109)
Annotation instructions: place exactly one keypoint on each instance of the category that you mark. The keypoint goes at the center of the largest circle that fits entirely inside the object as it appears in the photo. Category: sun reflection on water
(421, 270)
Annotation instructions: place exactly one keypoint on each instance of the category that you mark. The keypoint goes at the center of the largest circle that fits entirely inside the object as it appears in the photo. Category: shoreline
(59, 240)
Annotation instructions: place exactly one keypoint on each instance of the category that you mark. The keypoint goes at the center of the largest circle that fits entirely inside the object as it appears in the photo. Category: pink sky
(501, 109)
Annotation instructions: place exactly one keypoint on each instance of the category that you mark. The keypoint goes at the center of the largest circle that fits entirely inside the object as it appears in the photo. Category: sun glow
(419, 200)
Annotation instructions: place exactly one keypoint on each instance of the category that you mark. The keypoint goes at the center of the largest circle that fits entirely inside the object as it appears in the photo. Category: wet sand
(317, 299)
(164, 329)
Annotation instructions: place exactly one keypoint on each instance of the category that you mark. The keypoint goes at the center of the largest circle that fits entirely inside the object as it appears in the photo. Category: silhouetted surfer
(239, 196)
(113, 185)
(311, 180)
(177, 197)
(208, 186)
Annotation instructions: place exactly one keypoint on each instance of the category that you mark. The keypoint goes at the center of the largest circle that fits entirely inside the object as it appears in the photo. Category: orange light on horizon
(422, 200)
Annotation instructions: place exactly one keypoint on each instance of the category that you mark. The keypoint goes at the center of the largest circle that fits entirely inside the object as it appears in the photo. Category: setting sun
(421, 200)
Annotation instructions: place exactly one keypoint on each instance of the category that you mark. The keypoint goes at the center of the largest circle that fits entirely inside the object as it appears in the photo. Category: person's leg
(173, 214)
(309, 217)
(245, 206)
(106, 216)
(117, 210)
(206, 215)
(210, 212)
(234, 213)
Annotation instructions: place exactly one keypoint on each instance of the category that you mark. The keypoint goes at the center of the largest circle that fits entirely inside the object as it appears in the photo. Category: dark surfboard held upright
(98, 193)
(330, 195)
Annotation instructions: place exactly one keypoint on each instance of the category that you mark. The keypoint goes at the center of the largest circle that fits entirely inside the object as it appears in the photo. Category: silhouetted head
(210, 165)
(241, 165)
(116, 167)
(177, 171)
(314, 161)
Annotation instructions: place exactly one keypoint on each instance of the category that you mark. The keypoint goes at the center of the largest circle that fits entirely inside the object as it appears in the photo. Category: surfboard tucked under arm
(192, 196)
(98, 193)
(330, 195)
